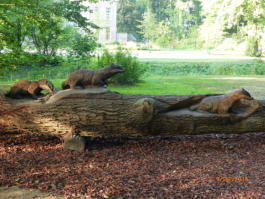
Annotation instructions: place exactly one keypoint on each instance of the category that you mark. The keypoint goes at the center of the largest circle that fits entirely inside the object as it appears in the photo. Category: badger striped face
(50, 85)
(116, 68)
(246, 92)
(241, 94)
(46, 85)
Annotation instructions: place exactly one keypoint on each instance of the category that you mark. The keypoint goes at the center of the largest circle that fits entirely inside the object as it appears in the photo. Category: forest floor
(203, 166)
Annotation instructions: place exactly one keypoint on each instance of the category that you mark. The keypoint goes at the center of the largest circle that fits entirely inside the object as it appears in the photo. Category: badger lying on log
(24, 88)
(87, 78)
(221, 104)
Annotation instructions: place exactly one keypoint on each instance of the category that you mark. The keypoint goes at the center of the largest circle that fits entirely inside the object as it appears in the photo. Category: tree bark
(98, 112)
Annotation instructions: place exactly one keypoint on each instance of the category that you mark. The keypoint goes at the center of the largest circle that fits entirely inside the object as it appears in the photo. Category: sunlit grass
(160, 85)
(187, 85)
(181, 85)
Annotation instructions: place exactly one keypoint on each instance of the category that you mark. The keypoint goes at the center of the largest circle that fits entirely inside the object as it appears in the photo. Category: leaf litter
(203, 166)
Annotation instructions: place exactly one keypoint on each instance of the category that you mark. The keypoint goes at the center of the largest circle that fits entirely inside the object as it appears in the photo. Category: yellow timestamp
(232, 179)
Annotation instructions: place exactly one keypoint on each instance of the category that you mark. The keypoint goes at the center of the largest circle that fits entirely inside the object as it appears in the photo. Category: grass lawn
(186, 85)
(168, 84)
(183, 85)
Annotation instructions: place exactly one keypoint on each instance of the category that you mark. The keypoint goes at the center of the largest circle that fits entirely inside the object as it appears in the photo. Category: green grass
(183, 85)
(172, 77)
(187, 85)
(160, 85)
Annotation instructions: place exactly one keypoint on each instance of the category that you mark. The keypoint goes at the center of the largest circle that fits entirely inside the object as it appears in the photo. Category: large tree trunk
(102, 113)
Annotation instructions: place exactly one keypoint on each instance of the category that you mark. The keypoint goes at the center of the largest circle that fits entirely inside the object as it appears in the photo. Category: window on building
(108, 33)
(108, 13)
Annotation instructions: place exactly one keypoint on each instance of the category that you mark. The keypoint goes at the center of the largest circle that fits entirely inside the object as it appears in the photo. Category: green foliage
(13, 26)
(81, 44)
(40, 25)
(160, 22)
(191, 41)
(12, 61)
(129, 15)
(162, 38)
(148, 26)
(234, 17)
(133, 68)
(254, 68)
(37, 66)
(253, 47)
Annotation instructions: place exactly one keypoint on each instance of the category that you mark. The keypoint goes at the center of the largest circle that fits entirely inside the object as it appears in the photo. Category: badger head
(46, 85)
(116, 68)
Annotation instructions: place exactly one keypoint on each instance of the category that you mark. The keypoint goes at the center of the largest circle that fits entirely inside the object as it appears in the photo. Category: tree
(159, 8)
(243, 17)
(178, 17)
(13, 26)
(249, 18)
(130, 13)
(148, 26)
(80, 44)
(47, 31)
(39, 21)
(183, 16)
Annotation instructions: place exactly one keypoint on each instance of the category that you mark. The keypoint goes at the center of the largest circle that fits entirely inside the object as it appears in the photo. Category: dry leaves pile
(177, 167)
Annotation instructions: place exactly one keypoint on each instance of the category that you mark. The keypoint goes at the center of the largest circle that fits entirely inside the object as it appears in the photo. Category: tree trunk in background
(101, 113)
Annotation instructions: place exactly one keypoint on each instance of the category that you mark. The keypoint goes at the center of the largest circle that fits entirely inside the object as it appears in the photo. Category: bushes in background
(36, 66)
(255, 68)
(13, 60)
(133, 68)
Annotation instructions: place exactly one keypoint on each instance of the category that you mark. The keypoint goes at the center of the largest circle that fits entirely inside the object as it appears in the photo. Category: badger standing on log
(87, 78)
(33, 89)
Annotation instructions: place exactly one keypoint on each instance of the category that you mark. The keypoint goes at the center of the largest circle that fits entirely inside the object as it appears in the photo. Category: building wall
(104, 14)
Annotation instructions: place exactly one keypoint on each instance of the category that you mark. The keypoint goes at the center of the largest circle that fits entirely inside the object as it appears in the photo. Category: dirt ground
(205, 166)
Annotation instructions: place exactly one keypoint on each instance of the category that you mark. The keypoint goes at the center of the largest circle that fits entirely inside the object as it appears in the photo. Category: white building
(104, 15)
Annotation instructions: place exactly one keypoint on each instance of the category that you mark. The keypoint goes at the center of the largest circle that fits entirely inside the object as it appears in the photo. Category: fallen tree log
(99, 112)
